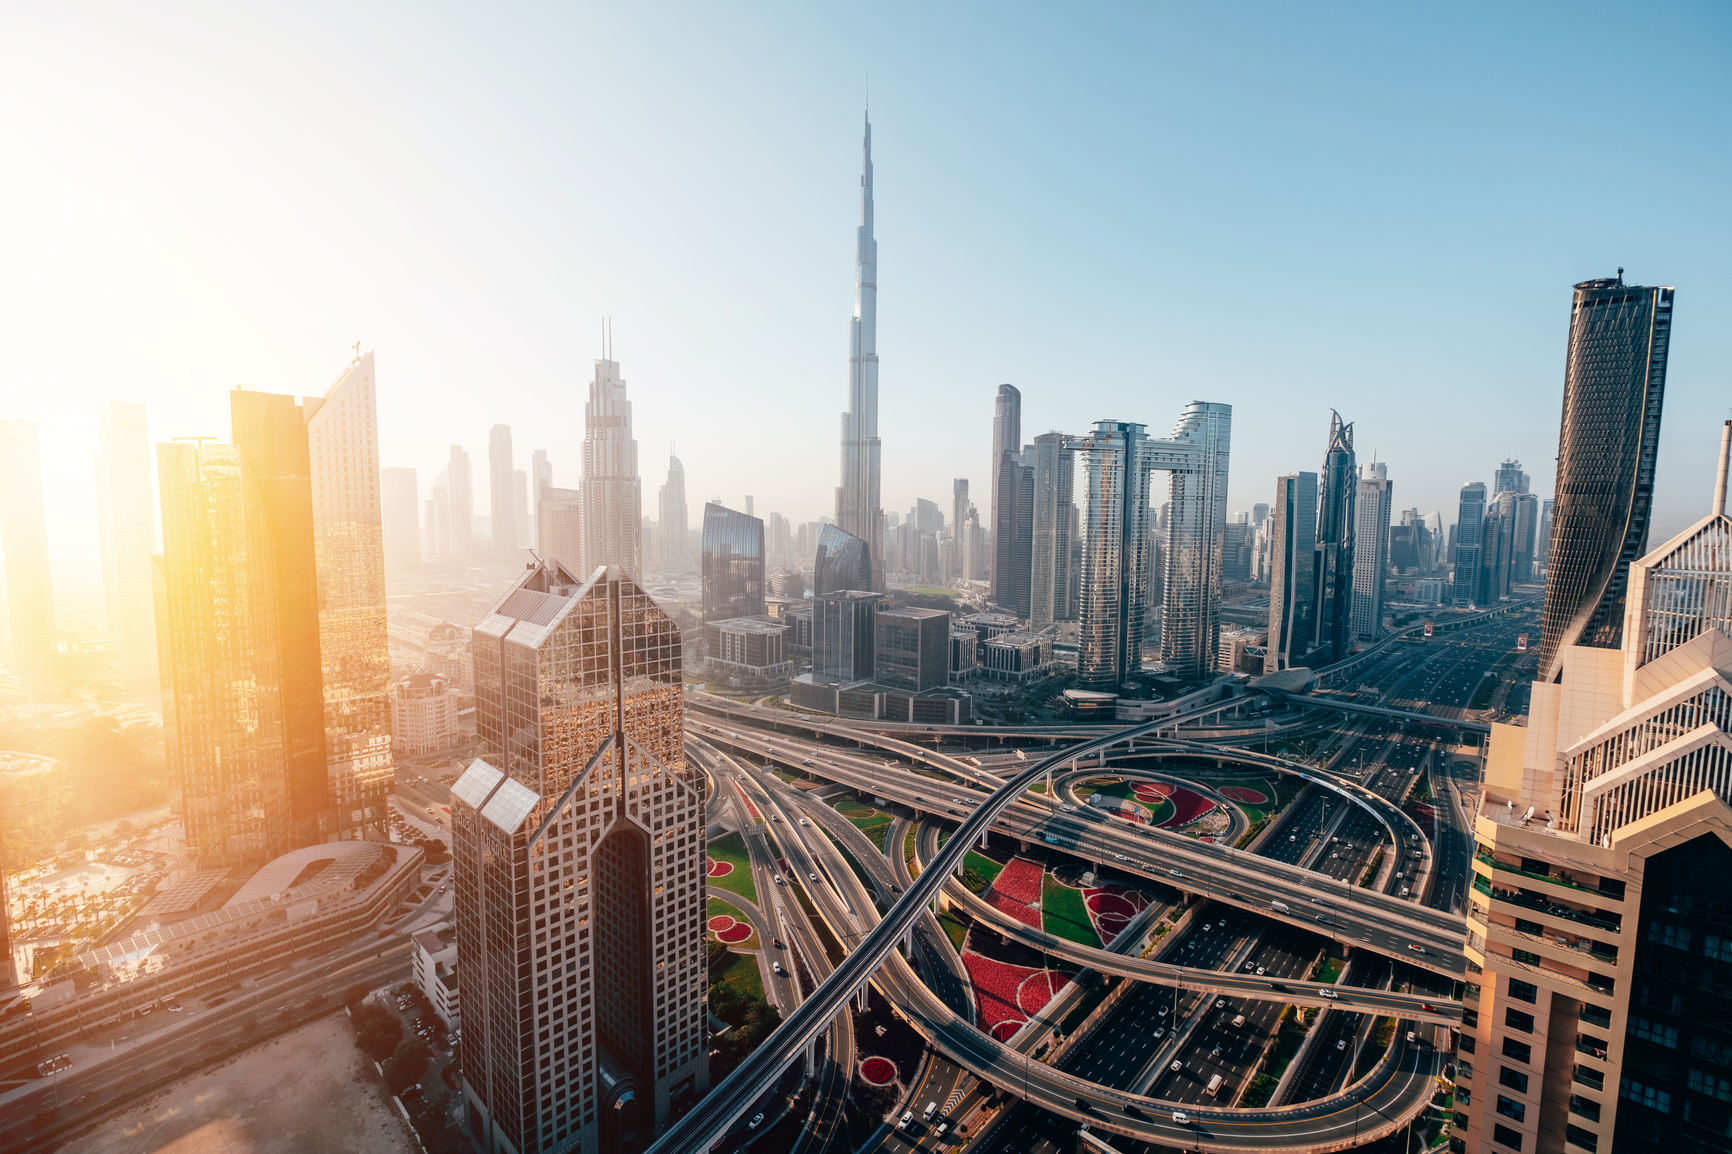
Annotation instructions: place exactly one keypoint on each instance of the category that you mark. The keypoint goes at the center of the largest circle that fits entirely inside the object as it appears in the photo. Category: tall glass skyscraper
(1050, 578)
(1614, 389)
(1335, 539)
(1112, 591)
(1468, 586)
(1293, 573)
(671, 524)
(612, 493)
(499, 492)
(349, 558)
(843, 562)
(859, 509)
(1371, 549)
(578, 859)
(733, 563)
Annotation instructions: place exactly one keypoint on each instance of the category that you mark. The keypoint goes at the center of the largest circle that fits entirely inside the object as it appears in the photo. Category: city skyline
(941, 370)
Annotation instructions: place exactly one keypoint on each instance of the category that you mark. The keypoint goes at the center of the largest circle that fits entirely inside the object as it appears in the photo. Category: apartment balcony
(1540, 904)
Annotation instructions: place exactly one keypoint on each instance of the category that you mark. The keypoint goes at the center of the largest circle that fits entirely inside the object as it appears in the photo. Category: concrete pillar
(811, 1058)
(860, 1001)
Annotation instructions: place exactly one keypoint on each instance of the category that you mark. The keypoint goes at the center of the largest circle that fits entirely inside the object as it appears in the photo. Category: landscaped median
(728, 924)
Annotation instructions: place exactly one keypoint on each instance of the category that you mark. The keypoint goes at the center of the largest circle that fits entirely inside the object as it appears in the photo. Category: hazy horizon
(1117, 214)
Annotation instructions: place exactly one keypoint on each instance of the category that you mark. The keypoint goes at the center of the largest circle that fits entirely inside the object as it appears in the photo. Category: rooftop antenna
(1720, 474)
(1620, 274)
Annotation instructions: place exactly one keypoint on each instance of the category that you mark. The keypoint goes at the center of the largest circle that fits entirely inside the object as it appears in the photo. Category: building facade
(1335, 543)
(500, 467)
(612, 494)
(859, 510)
(671, 527)
(423, 714)
(459, 504)
(733, 563)
(843, 561)
(1293, 573)
(400, 514)
(1599, 941)
(1468, 583)
(342, 431)
(1050, 583)
(1371, 549)
(844, 635)
(1614, 390)
(578, 857)
(912, 649)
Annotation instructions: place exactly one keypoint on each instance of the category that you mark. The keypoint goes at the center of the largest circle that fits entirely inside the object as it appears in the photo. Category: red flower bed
(1248, 796)
(997, 986)
(1037, 990)
(734, 934)
(720, 869)
(721, 922)
(876, 1071)
(751, 809)
(1112, 908)
(1152, 790)
(1188, 806)
(1016, 891)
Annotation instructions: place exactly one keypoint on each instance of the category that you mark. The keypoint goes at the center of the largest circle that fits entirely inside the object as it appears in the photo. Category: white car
(1180, 1118)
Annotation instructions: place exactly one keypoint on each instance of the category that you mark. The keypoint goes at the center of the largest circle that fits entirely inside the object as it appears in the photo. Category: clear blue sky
(1118, 209)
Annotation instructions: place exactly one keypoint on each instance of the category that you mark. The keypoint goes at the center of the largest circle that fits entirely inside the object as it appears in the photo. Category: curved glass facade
(1614, 388)
(1196, 538)
(843, 562)
(733, 563)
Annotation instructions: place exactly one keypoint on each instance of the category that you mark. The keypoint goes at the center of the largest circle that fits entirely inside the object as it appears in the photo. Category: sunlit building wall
(228, 765)
(401, 520)
(459, 505)
(349, 552)
(126, 522)
(1371, 549)
(560, 529)
(578, 846)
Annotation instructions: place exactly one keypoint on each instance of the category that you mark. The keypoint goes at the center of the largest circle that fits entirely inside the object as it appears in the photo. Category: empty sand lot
(309, 1090)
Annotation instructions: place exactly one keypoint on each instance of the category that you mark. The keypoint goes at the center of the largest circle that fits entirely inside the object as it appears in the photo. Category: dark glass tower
(1614, 387)
(1469, 582)
(843, 562)
(733, 563)
(1335, 503)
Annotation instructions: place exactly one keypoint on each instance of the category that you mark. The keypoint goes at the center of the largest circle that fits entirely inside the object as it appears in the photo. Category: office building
(733, 563)
(1293, 573)
(433, 968)
(1599, 934)
(500, 487)
(24, 536)
(1195, 459)
(1012, 506)
(1050, 583)
(1509, 478)
(126, 521)
(342, 437)
(859, 510)
(748, 652)
(1468, 585)
(912, 649)
(1335, 525)
(401, 517)
(1525, 519)
(1497, 546)
(671, 528)
(460, 504)
(842, 562)
(959, 506)
(1543, 539)
(612, 494)
(1371, 549)
(1113, 578)
(271, 435)
(1614, 389)
(423, 715)
(540, 477)
(223, 724)
(1018, 657)
(436, 518)
(844, 635)
(560, 529)
(578, 859)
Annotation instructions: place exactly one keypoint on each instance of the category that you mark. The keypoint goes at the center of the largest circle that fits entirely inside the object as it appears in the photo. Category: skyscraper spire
(858, 509)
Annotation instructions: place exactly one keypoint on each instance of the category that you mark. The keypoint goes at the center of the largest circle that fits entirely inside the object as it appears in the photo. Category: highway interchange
(1443, 674)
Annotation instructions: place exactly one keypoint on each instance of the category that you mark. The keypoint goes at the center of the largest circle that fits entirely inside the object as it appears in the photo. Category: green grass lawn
(732, 849)
(985, 867)
(873, 823)
(718, 908)
(742, 974)
(1161, 810)
(908, 851)
(954, 930)
(1063, 913)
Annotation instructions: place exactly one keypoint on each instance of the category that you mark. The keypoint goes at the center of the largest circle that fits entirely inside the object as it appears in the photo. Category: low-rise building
(747, 652)
(423, 715)
(1016, 657)
(433, 964)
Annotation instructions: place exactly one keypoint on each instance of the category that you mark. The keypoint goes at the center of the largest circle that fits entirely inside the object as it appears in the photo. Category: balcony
(1591, 1046)
(1529, 900)
(1590, 1078)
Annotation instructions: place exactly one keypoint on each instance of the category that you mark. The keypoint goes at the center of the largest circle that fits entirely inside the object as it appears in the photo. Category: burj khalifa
(857, 501)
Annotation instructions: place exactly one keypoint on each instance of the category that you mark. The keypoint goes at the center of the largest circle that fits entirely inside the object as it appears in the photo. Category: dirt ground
(308, 1090)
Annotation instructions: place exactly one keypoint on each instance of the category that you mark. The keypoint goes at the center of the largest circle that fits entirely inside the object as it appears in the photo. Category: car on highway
(1176, 1066)
(1330, 994)
(1180, 1118)
(757, 1120)
(1220, 1003)
(812, 876)
(777, 942)
(777, 967)
(1341, 1044)
(1082, 1104)
(1132, 1110)
(1160, 1031)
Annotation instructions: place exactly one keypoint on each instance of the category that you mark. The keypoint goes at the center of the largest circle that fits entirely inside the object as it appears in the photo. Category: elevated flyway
(1422, 937)
(1443, 1012)
(1316, 701)
(1396, 1089)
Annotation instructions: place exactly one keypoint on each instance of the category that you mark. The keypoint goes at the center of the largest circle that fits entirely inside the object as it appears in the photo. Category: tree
(354, 995)
(397, 1077)
(412, 1057)
(379, 1037)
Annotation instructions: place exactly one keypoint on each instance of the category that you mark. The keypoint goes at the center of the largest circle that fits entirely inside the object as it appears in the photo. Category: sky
(1119, 209)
